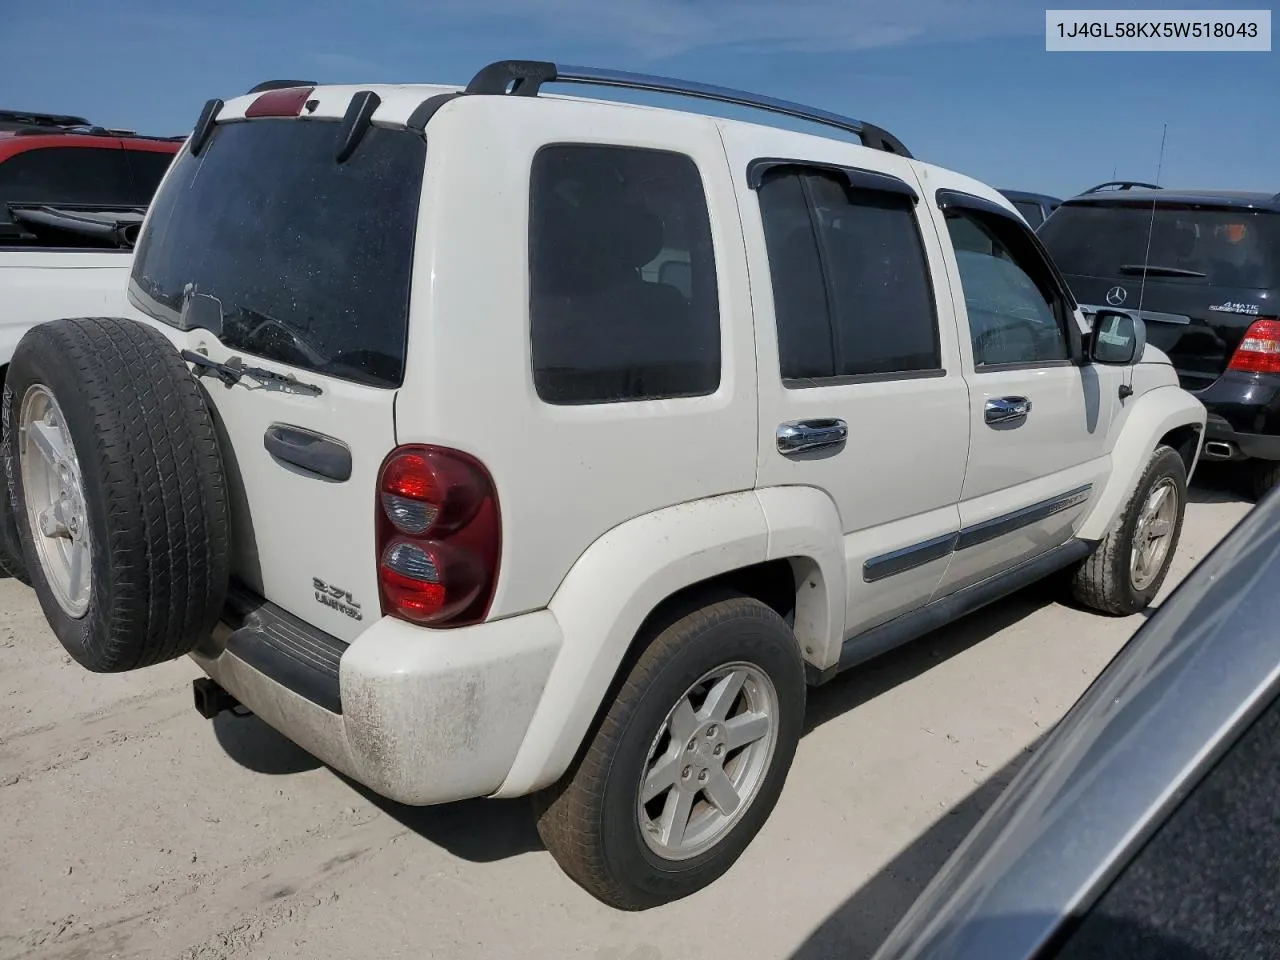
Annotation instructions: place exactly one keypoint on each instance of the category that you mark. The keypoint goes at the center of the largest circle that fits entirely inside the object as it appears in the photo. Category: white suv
(488, 443)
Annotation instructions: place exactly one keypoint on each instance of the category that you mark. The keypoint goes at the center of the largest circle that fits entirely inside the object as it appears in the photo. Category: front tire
(1124, 574)
(687, 762)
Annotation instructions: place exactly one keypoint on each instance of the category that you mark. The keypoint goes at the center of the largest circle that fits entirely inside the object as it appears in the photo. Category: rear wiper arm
(235, 369)
(1139, 268)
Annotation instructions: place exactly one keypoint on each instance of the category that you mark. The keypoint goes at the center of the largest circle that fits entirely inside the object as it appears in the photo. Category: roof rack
(523, 78)
(266, 85)
(1122, 185)
(26, 118)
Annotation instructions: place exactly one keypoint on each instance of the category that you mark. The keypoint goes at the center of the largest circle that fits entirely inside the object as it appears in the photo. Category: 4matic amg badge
(337, 598)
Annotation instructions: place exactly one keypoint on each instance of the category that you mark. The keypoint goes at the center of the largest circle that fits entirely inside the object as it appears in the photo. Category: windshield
(283, 252)
(1233, 248)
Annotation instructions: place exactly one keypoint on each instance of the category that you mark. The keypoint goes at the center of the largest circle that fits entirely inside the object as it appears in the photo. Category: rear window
(285, 253)
(1030, 211)
(148, 167)
(1232, 248)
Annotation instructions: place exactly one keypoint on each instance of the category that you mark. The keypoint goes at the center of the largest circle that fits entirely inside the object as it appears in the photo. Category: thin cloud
(667, 27)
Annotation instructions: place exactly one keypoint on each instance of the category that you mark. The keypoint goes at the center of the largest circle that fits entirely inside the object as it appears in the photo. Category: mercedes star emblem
(1116, 296)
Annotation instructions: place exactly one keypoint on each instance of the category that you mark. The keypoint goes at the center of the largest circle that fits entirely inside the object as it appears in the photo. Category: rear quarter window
(623, 291)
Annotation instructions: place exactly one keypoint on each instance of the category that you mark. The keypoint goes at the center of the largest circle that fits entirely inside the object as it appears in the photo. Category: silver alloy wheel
(1152, 534)
(54, 495)
(708, 760)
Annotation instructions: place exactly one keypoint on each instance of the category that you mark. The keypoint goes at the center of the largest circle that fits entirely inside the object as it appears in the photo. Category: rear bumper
(420, 716)
(1244, 415)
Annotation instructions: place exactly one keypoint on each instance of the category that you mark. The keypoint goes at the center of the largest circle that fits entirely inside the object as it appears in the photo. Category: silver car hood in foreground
(1175, 696)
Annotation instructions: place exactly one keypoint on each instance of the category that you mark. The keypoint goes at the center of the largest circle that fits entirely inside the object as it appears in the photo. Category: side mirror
(1118, 338)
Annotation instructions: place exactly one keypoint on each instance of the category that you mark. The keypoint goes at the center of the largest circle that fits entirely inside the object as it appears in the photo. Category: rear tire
(118, 491)
(11, 562)
(1112, 579)
(10, 545)
(1264, 477)
(596, 822)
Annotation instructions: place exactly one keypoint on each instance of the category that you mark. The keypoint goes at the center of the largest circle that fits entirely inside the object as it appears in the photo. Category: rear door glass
(1231, 248)
(297, 258)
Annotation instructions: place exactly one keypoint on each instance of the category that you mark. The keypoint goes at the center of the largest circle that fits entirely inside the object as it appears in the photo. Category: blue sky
(964, 83)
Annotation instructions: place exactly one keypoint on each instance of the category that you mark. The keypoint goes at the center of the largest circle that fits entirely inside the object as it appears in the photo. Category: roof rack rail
(523, 78)
(266, 85)
(1122, 185)
(31, 119)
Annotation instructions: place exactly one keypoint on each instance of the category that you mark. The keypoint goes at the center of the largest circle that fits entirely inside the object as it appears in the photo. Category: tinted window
(1235, 248)
(611, 320)
(298, 258)
(1031, 211)
(851, 286)
(67, 175)
(148, 168)
(1014, 309)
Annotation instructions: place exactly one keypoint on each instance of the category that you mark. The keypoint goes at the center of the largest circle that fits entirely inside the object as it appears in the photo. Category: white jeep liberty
(489, 443)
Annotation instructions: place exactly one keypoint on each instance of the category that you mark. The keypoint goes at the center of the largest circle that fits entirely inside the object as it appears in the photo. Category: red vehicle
(66, 183)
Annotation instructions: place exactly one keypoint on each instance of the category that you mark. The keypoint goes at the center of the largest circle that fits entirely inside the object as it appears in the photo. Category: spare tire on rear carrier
(118, 491)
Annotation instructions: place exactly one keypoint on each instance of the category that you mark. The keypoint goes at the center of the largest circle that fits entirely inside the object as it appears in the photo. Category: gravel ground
(133, 828)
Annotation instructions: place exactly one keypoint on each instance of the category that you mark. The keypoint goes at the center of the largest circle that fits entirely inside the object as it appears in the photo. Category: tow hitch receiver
(211, 699)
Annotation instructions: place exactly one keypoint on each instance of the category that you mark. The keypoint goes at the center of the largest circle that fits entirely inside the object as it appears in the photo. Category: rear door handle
(801, 436)
(1007, 410)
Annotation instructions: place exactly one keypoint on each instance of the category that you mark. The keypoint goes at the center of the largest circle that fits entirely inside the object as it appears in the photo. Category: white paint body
(41, 285)
(608, 510)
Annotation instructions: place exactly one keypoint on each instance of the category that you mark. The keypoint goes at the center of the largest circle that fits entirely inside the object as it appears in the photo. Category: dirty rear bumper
(420, 716)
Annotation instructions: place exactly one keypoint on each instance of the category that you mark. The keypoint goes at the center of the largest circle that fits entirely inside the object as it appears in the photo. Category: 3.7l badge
(337, 598)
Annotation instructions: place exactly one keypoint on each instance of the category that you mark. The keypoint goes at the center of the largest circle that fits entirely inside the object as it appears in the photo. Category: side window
(851, 288)
(1016, 315)
(624, 302)
(67, 175)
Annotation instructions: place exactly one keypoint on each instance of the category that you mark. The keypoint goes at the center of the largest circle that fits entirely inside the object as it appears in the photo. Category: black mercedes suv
(1202, 269)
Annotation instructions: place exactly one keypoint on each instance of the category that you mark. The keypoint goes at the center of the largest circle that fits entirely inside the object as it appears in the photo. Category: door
(242, 260)
(1039, 415)
(859, 385)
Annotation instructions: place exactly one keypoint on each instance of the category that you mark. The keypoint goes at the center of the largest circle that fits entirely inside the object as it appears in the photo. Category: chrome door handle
(801, 436)
(1007, 409)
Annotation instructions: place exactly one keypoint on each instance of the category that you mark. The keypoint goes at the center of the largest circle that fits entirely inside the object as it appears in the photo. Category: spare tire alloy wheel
(706, 767)
(55, 500)
(119, 495)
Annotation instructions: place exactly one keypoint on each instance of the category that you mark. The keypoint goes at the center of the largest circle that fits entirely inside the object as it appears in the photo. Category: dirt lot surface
(133, 828)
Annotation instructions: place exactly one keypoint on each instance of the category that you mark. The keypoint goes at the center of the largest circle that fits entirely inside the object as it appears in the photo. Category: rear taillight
(285, 102)
(439, 537)
(1259, 351)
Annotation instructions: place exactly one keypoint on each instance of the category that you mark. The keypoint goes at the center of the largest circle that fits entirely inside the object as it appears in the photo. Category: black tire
(1102, 581)
(1264, 477)
(155, 502)
(589, 820)
(11, 562)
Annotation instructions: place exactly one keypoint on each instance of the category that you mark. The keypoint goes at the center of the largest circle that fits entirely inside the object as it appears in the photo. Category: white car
(404, 441)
